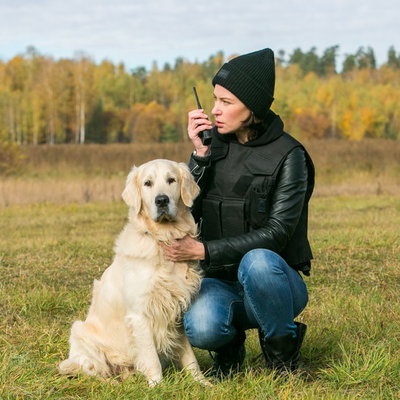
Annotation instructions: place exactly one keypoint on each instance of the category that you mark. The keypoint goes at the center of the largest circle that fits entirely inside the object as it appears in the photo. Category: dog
(135, 317)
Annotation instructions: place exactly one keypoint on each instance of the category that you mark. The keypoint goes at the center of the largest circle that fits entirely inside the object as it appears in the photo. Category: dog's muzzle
(163, 210)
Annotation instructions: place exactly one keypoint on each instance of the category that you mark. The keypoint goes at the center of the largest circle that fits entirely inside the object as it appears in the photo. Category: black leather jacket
(253, 195)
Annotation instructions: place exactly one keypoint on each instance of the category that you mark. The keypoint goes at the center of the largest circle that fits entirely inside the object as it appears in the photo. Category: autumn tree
(148, 122)
(43, 100)
(83, 85)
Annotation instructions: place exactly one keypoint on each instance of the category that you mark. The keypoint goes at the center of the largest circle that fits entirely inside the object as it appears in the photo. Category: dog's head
(159, 188)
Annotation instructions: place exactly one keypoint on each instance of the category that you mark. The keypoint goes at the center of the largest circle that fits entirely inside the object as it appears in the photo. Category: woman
(256, 181)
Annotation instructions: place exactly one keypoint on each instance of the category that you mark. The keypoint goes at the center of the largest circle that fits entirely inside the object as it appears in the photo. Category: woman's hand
(184, 249)
(198, 122)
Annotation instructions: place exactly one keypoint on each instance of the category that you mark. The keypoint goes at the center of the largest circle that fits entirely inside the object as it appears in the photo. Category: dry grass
(80, 174)
(97, 159)
(60, 190)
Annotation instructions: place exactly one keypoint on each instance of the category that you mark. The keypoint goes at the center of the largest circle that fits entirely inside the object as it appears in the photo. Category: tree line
(43, 100)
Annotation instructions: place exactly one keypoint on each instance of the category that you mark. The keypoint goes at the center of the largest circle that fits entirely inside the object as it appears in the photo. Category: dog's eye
(171, 180)
(148, 183)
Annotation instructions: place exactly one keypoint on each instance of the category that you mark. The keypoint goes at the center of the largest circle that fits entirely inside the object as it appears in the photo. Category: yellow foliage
(147, 122)
(11, 158)
(43, 100)
(358, 124)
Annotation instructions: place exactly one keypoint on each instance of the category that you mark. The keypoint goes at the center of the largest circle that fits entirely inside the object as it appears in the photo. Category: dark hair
(254, 125)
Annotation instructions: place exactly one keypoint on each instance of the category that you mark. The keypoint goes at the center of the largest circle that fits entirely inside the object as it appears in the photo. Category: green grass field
(50, 254)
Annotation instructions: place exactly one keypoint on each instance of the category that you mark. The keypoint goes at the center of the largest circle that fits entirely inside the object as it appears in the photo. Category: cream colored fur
(134, 319)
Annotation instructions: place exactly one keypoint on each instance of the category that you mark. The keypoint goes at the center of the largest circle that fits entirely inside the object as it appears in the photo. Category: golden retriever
(134, 320)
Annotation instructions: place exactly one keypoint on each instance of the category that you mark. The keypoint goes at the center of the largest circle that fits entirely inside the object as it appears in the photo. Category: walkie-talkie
(205, 136)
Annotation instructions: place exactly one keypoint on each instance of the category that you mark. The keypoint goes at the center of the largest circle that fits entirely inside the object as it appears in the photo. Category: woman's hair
(254, 125)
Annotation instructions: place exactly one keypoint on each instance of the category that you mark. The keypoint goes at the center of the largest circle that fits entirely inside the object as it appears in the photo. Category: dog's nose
(161, 200)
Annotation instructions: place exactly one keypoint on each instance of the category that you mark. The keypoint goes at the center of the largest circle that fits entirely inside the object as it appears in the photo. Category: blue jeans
(268, 295)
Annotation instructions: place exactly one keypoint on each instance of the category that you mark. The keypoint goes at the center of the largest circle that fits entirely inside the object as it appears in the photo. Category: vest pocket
(258, 204)
(223, 218)
(233, 217)
(211, 223)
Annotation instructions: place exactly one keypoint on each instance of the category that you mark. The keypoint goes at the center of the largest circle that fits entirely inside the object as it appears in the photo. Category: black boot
(229, 358)
(282, 353)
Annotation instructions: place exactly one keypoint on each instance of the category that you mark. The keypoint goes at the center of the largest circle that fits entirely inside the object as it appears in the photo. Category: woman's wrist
(200, 251)
(202, 151)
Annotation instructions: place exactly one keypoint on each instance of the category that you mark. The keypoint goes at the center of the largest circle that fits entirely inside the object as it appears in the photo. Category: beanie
(251, 78)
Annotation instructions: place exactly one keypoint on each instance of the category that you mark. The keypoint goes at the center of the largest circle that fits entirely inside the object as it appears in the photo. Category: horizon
(78, 54)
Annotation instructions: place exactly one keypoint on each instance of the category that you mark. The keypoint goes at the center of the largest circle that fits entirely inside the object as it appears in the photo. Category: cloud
(138, 32)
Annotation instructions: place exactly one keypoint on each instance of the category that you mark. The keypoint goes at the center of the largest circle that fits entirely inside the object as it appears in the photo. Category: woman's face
(228, 110)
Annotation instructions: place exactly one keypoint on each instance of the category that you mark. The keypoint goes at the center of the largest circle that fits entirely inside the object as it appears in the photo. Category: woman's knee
(203, 328)
(206, 322)
(260, 261)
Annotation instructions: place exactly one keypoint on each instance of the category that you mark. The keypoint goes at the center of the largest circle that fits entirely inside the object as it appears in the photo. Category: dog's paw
(153, 381)
(199, 377)
(69, 367)
(205, 382)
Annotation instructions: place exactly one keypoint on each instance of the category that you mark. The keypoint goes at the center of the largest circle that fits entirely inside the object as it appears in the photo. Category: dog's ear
(189, 188)
(131, 194)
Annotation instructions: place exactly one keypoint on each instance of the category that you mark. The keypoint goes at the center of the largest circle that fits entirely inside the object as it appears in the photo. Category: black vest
(241, 182)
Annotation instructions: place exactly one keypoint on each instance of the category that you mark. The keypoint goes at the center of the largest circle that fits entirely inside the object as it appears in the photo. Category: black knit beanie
(251, 78)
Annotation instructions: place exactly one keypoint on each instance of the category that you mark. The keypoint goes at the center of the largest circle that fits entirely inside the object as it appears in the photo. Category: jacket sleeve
(287, 203)
(199, 167)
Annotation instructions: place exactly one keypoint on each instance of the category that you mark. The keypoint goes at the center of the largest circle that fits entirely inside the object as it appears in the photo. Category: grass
(50, 253)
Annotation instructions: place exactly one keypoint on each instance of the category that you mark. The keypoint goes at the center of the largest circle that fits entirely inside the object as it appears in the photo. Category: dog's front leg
(146, 359)
(188, 361)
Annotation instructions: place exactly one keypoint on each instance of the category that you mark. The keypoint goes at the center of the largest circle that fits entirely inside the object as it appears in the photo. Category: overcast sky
(140, 32)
